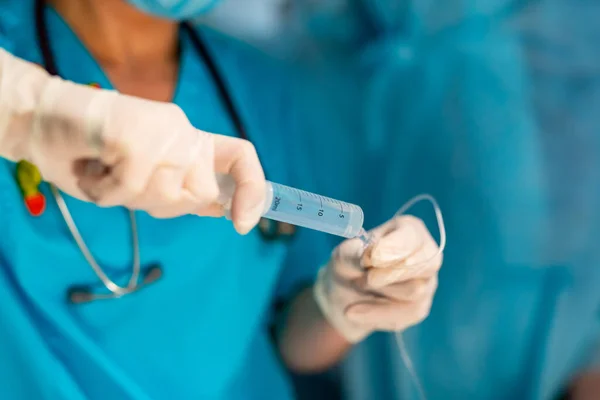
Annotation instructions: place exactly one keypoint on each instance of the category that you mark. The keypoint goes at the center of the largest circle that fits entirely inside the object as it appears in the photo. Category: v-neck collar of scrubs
(64, 40)
(195, 91)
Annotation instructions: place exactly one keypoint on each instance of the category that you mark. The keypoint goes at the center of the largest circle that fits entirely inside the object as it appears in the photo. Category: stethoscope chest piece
(81, 294)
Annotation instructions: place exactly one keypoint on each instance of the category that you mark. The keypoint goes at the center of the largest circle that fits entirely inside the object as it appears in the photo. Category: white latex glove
(376, 290)
(117, 150)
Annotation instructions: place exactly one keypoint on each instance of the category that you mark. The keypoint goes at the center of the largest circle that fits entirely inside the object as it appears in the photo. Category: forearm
(586, 387)
(308, 343)
(362, 292)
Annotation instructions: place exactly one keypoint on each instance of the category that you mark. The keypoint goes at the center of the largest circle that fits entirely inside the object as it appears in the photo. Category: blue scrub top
(201, 331)
(493, 109)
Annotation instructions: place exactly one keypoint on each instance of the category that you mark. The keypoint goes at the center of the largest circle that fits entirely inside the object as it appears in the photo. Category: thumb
(238, 158)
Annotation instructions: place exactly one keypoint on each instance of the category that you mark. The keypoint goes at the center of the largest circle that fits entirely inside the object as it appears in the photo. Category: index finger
(395, 241)
(424, 264)
(238, 158)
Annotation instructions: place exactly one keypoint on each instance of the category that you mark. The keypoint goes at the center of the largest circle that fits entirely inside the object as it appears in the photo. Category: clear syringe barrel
(305, 209)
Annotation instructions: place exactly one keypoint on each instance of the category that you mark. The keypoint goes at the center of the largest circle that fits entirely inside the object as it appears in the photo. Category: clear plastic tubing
(305, 209)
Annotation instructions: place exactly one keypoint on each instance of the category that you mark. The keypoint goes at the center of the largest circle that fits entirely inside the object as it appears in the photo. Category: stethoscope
(140, 278)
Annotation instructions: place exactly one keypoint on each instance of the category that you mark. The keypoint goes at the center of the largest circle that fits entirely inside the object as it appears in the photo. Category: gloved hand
(117, 150)
(360, 291)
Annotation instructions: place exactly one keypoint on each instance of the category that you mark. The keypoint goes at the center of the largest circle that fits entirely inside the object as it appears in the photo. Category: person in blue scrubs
(200, 331)
(492, 108)
(199, 328)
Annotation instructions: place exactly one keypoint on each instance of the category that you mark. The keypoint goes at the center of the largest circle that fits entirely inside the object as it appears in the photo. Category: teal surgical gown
(201, 332)
(492, 107)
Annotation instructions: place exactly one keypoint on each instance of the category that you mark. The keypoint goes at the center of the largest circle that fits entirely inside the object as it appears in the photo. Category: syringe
(309, 210)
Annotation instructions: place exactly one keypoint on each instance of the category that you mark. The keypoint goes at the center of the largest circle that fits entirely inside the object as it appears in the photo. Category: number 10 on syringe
(309, 210)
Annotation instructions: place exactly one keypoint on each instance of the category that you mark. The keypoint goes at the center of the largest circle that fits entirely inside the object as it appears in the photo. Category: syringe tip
(365, 237)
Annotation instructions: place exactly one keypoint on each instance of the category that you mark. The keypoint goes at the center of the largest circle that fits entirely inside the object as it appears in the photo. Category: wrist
(309, 343)
(21, 87)
(333, 312)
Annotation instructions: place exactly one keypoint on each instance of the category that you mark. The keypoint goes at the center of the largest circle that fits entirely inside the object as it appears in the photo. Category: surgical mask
(262, 23)
(174, 9)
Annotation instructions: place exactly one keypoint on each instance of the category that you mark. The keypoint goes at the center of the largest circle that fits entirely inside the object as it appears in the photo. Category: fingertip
(382, 257)
(396, 246)
(378, 278)
(366, 312)
(242, 230)
(244, 227)
(213, 210)
(357, 313)
(248, 206)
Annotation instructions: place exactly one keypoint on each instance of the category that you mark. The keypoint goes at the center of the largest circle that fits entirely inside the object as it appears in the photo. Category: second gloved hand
(361, 291)
(117, 150)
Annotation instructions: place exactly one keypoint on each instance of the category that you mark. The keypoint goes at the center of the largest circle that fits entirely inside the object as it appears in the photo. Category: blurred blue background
(494, 108)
